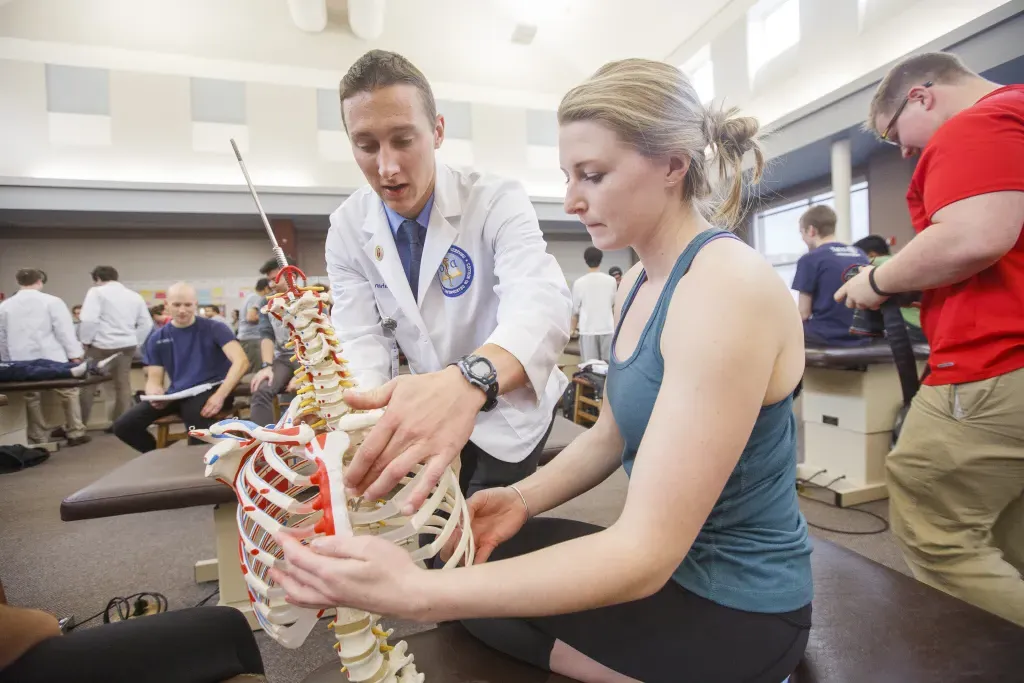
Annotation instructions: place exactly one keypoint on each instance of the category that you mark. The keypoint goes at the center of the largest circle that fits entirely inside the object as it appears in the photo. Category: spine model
(289, 476)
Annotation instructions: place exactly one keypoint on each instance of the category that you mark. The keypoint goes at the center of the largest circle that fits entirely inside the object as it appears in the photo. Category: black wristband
(874, 285)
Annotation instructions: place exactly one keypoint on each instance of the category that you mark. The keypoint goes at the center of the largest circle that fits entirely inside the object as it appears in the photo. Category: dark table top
(69, 383)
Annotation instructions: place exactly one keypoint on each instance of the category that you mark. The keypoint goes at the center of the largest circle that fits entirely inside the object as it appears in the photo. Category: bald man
(189, 351)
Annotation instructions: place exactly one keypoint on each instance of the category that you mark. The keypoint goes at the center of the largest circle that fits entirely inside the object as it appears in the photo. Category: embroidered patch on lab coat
(455, 272)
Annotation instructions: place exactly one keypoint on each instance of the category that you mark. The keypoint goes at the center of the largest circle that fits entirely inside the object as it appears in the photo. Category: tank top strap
(681, 268)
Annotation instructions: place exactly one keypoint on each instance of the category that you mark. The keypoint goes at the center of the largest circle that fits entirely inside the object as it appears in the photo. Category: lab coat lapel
(440, 237)
(441, 234)
(389, 265)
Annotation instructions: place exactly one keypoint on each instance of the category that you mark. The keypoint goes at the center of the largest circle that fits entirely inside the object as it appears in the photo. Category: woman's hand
(362, 572)
(496, 515)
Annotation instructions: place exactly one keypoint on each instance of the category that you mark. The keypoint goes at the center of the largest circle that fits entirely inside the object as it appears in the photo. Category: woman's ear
(677, 168)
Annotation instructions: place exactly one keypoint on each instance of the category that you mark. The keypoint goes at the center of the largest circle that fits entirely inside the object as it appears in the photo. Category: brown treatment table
(172, 478)
(871, 624)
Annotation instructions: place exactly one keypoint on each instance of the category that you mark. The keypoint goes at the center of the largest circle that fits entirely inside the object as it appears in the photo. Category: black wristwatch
(266, 365)
(481, 373)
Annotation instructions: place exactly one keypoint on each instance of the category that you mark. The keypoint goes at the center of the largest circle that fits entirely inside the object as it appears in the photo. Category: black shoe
(78, 440)
(58, 433)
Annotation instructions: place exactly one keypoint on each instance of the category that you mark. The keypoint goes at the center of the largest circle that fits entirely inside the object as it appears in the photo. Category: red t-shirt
(975, 327)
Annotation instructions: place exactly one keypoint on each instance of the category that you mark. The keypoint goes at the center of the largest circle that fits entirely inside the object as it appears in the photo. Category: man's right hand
(264, 375)
(156, 390)
(497, 515)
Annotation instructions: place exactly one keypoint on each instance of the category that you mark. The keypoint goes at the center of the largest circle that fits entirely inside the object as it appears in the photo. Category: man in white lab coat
(115, 321)
(38, 326)
(453, 267)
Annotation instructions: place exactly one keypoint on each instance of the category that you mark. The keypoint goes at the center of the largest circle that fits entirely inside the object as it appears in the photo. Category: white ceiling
(464, 42)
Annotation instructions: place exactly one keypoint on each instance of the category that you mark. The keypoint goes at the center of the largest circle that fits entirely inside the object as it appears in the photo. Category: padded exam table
(13, 420)
(871, 623)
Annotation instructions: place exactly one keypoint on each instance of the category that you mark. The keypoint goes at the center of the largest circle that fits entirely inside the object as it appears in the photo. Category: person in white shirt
(452, 266)
(114, 320)
(593, 296)
(38, 326)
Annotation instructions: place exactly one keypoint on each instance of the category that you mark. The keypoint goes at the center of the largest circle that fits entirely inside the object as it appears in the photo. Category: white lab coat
(511, 293)
(37, 326)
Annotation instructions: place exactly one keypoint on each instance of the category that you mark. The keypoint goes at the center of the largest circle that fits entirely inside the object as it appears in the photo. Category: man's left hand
(858, 292)
(429, 419)
(362, 572)
(213, 405)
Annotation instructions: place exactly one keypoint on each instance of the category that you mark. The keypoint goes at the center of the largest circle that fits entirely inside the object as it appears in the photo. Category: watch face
(480, 368)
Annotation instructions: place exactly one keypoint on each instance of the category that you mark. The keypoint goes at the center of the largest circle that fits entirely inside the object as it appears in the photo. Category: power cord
(828, 487)
(208, 598)
(130, 607)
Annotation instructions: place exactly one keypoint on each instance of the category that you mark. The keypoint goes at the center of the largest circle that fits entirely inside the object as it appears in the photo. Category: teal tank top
(753, 552)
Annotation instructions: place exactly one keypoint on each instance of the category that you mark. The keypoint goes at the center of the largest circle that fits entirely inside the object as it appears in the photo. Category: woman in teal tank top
(705, 576)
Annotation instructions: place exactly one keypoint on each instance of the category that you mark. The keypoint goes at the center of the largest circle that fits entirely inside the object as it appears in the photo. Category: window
(777, 232)
(772, 28)
(701, 72)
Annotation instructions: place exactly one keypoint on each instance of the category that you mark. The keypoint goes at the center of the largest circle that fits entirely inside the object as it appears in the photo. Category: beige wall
(68, 256)
(888, 179)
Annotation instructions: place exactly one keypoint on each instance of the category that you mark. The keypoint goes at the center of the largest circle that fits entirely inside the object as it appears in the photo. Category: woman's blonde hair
(653, 107)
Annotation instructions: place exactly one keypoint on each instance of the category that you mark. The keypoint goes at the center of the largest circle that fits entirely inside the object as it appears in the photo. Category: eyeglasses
(892, 121)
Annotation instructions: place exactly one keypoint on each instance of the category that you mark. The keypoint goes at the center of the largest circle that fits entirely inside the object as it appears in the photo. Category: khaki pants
(36, 429)
(120, 370)
(956, 491)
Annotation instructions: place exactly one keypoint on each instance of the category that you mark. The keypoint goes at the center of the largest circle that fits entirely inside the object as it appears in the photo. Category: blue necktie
(409, 234)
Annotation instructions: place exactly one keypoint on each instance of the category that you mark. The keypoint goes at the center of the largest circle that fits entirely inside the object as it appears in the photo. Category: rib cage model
(289, 475)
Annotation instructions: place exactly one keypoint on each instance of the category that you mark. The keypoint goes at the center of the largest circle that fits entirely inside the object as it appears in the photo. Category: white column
(842, 176)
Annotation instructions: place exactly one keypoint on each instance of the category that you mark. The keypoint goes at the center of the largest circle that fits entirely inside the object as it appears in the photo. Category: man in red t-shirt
(956, 477)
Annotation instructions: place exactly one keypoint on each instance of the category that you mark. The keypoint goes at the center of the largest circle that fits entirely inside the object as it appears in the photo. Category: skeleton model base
(290, 476)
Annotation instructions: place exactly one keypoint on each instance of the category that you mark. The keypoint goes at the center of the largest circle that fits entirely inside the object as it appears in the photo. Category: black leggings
(196, 645)
(672, 636)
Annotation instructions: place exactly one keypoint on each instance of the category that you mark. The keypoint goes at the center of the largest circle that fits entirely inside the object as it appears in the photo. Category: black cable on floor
(207, 598)
(883, 520)
(123, 608)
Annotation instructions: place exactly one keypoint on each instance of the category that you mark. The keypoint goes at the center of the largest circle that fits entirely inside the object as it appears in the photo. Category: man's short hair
(821, 217)
(27, 277)
(593, 256)
(215, 308)
(104, 273)
(262, 283)
(937, 67)
(380, 69)
(873, 244)
(272, 264)
(615, 270)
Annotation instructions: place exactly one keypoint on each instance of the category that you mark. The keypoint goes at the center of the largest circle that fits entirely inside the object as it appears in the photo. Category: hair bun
(731, 133)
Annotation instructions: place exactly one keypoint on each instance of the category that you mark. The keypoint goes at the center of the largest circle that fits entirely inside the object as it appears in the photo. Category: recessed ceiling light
(523, 34)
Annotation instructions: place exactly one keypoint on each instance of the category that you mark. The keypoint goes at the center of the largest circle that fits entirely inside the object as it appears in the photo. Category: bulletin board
(227, 293)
